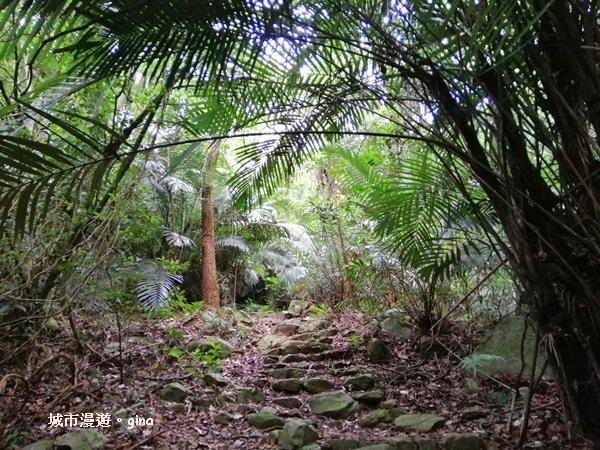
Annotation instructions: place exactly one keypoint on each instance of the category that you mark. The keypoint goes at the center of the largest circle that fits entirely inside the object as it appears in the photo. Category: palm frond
(177, 240)
(417, 211)
(153, 292)
(176, 185)
(233, 242)
(292, 274)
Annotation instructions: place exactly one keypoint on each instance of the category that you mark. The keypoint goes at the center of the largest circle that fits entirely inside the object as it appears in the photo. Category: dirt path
(323, 376)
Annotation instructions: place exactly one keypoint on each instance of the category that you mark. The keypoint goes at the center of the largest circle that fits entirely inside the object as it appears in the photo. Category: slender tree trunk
(347, 288)
(210, 285)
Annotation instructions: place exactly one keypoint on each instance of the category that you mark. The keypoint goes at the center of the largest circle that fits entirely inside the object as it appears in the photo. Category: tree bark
(210, 285)
(553, 226)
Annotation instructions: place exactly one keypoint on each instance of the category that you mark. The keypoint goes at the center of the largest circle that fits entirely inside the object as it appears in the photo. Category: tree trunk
(210, 285)
(562, 284)
(551, 222)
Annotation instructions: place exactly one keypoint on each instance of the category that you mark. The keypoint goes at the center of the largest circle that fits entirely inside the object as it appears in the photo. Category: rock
(395, 328)
(332, 355)
(360, 383)
(291, 385)
(395, 412)
(270, 359)
(176, 407)
(343, 444)
(291, 413)
(215, 379)
(220, 400)
(204, 402)
(329, 332)
(265, 419)
(372, 398)
(274, 436)
(303, 336)
(290, 348)
(378, 352)
(275, 366)
(241, 409)
(470, 385)
(52, 325)
(346, 371)
(318, 385)
(350, 333)
(296, 434)
(475, 413)
(308, 365)
(377, 447)
(430, 347)
(403, 443)
(389, 404)
(85, 439)
(271, 342)
(249, 396)
(504, 340)
(273, 351)
(282, 374)
(426, 444)
(221, 346)
(419, 422)
(313, 326)
(241, 316)
(460, 441)
(40, 445)
(294, 358)
(121, 413)
(298, 307)
(285, 328)
(175, 392)
(288, 402)
(336, 405)
(313, 347)
(295, 347)
(260, 382)
(374, 418)
(223, 417)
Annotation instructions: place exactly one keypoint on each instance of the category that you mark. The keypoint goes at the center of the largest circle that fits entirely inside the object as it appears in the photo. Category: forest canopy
(358, 151)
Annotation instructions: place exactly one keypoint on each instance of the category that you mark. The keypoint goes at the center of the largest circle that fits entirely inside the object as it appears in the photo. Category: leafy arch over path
(508, 89)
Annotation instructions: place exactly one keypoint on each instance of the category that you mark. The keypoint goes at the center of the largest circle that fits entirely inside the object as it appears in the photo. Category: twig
(532, 387)
(145, 441)
(244, 436)
(545, 405)
(468, 294)
(60, 397)
(510, 413)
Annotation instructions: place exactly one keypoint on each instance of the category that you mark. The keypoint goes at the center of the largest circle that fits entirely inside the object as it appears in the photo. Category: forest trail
(281, 381)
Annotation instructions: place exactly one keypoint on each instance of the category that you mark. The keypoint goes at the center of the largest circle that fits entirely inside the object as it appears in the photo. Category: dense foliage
(457, 136)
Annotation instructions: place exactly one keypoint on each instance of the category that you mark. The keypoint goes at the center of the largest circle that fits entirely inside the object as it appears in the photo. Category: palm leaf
(177, 240)
(233, 242)
(153, 292)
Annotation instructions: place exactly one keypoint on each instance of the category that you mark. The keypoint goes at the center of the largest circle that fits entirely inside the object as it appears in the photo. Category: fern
(478, 361)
